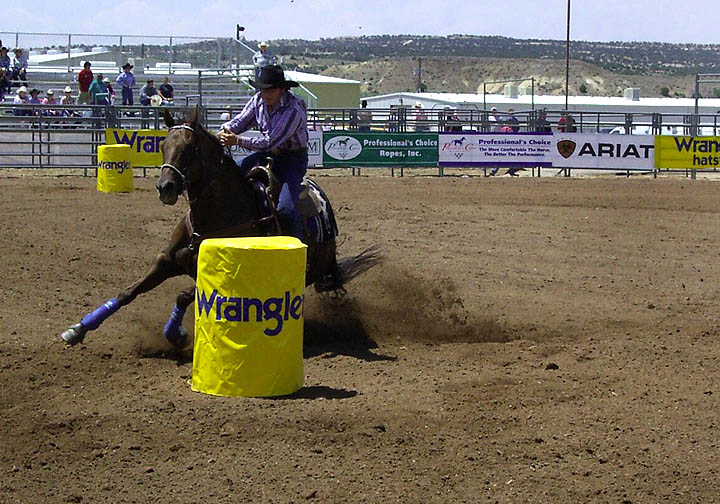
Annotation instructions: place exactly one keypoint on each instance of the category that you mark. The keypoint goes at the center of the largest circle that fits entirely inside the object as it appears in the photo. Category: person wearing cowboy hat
(126, 80)
(281, 118)
(263, 58)
(110, 91)
(67, 98)
(21, 98)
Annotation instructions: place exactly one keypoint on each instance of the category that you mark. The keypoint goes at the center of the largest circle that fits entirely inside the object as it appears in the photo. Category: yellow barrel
(114, 169)
(249, 316)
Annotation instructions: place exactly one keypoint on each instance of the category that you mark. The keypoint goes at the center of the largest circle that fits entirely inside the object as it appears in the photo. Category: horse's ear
(168, 118)
(194, 119)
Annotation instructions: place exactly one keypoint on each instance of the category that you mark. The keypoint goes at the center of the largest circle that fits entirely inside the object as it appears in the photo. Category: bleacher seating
(216, 93)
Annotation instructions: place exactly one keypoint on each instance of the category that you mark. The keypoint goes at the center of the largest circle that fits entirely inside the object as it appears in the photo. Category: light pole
(567, 56)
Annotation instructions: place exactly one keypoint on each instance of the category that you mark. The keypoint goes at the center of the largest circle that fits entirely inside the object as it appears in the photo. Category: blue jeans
(289, 171)
(127, 96)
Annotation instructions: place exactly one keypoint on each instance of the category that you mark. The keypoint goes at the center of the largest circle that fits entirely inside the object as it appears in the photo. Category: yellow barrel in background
(114, 169)
(249, 316)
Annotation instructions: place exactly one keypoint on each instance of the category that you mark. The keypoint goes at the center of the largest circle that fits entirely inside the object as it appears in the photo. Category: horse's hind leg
(173, 330)
(163, 268)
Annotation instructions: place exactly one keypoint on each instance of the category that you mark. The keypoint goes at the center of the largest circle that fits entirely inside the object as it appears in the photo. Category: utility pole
(419, 75)
(567, 56)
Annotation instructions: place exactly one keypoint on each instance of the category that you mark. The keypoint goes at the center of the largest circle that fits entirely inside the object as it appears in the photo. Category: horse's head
(182, 166)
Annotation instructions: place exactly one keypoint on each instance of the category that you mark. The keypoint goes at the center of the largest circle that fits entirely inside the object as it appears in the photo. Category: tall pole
(567, 56)
(419, 71)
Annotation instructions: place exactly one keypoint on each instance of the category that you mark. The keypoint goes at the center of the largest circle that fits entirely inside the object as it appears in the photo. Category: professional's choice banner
(683, 153)
(602, 151)
(499, 149)
(562, 150)
(380, 149)
(144, 144)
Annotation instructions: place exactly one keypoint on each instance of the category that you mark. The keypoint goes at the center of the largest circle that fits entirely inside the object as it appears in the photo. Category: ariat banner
(602, 151)
(249, 305)
(144, 144)
(684, 152)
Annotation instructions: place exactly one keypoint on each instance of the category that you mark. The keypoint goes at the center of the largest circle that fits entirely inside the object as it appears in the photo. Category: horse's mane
(227, 161)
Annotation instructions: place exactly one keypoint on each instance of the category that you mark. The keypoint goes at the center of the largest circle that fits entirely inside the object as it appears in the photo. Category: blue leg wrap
(174, 323)
(93, 320)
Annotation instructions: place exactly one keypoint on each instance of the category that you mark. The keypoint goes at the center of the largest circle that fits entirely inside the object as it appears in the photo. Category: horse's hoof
(179, 339)
(74, 334)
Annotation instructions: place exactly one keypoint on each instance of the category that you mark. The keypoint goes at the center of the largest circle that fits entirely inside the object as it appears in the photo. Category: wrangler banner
(380, 149)
(144, 144)
(684, 152)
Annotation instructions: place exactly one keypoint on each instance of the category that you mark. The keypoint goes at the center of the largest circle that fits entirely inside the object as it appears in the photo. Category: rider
(281, 118)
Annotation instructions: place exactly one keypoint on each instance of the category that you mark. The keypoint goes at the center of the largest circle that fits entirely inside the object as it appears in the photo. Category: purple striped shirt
(285, 129)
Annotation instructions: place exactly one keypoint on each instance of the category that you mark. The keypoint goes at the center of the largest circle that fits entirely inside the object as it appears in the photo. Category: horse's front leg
(174, 332)
(163, 268)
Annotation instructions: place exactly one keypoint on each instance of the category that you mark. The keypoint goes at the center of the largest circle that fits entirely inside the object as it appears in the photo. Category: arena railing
(67, 137)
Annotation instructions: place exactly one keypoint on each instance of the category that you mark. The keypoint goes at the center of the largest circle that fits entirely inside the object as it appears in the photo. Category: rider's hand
(227, 138)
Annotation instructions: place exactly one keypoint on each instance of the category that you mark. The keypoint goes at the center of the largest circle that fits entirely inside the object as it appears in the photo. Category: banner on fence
(602, 151)
(144, 144)
(686, 152)
(499, 149)
(380, 149)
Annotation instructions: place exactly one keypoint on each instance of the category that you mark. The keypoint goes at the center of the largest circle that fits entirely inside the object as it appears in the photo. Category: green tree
(583, 88)
(665, 91)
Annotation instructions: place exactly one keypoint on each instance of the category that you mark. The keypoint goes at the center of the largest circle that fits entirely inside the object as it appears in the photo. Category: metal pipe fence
(59, 136)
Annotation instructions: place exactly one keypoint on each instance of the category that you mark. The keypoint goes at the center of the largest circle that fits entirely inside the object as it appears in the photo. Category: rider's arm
(245, 119)
(281, 130)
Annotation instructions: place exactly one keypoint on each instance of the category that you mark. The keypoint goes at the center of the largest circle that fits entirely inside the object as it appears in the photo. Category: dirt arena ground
(525, 341)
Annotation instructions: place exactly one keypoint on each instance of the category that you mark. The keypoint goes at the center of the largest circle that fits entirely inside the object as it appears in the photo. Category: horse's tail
(351, 267)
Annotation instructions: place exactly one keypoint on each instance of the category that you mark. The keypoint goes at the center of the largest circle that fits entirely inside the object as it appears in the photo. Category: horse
(458, 141)
(224, 202)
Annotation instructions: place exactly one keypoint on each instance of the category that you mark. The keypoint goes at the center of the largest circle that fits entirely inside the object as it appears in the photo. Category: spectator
(263, 58)
(452, 121)
(85, 78)
(34, 99)
(21, 98)
(67, 98)
(328, 124)
(493, 120)
(50, 100)
(364, 117)
(166, 91)
(421, 124)
(543, 125)
(126, 79)
(19, 67)
(147, 92)
(98, 91)
(5, 71)
(512, 121)
(567, 123)
(109, 90)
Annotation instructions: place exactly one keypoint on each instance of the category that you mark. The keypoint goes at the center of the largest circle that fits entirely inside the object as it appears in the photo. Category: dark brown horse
(224, 202)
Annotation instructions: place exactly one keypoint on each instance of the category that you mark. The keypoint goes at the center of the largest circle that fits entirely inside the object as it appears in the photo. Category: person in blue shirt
(126, 80)
(4, 71)
(98, 87)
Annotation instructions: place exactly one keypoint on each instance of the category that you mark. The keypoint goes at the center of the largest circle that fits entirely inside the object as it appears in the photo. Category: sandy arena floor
(526, 340)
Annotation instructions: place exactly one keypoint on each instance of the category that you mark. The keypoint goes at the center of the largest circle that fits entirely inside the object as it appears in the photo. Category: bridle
(173, 167)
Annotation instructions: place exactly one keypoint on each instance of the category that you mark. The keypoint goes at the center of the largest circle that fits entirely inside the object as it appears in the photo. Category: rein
(196, 237)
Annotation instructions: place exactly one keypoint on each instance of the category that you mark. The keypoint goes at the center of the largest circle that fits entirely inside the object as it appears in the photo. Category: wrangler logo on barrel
(120, 166)
(238, 309)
